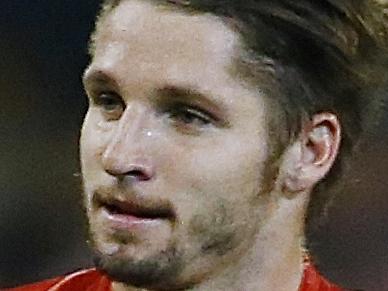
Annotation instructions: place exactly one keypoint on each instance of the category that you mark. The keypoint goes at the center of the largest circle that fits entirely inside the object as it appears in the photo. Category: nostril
(136, 173)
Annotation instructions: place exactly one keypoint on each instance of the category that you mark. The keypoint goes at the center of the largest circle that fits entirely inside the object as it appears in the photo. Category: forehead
(148, 36)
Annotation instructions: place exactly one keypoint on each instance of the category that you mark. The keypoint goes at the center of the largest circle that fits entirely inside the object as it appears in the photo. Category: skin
(169, 127)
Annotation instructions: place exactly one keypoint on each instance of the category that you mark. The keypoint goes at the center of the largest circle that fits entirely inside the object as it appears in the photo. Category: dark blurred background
(43, 52)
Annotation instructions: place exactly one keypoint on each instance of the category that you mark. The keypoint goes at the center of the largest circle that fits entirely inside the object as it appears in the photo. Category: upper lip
(136, 208)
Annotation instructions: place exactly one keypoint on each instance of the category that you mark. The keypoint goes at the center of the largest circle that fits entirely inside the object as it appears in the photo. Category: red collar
(313, 281)
(93, 280)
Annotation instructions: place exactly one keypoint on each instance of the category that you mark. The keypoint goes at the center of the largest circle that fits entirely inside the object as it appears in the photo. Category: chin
(154, 271)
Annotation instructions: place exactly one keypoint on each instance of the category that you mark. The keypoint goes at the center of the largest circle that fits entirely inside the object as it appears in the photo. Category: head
(206, 120)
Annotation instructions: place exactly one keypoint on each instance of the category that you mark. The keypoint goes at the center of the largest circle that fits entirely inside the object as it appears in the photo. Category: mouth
(116, 207)
(134, 209)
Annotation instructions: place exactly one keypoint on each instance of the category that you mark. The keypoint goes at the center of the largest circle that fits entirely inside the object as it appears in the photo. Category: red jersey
(93, 280)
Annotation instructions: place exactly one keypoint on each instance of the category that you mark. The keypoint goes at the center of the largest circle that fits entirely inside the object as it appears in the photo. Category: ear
(310, 157)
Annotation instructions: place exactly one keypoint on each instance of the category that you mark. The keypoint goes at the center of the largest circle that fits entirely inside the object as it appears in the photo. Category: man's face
(173, 147)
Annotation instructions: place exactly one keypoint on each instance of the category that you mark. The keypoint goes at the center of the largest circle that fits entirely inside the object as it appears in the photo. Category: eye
(188, 116)
(111, 104)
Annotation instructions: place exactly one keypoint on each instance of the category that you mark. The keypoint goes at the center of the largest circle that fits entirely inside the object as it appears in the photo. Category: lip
(129, 214)
(128, 221)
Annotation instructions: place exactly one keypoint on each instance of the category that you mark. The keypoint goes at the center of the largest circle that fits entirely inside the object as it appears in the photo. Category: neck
(280, 268)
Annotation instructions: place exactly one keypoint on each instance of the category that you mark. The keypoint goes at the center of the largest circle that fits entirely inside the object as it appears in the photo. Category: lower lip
(127, 221)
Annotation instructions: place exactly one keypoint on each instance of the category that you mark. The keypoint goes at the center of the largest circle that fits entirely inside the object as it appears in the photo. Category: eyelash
(189, 115)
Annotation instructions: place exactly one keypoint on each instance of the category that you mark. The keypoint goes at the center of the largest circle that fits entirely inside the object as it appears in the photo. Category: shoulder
(83, 280)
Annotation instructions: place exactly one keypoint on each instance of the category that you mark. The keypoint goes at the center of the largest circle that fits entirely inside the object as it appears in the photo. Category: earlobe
(313, 153)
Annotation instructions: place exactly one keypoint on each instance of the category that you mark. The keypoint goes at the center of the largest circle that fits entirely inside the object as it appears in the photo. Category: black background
(43, 52)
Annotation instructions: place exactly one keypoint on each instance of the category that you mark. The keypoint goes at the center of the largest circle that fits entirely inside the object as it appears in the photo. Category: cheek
(217, 184)
(231, 168)
(218, 228)
(214, 231)
(93, 141)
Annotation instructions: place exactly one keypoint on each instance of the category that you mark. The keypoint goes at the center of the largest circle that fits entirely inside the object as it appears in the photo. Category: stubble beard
(158, 271)
(163, 269)
(154, 271)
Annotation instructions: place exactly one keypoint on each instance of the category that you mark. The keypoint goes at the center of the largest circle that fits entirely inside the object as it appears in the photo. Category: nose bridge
(131, 126)
(127, 141)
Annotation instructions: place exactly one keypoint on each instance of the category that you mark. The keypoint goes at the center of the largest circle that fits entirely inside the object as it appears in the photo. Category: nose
(127, 155)
(133, 172)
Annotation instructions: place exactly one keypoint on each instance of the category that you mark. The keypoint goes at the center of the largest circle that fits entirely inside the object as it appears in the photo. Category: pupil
(187, 117)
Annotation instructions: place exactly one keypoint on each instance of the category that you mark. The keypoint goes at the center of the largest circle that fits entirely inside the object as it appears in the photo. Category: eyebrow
(188, 93)
(99, 78)
(181, 92)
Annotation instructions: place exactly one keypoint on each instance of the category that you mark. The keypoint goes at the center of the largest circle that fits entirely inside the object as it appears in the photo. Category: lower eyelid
(114, 108)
